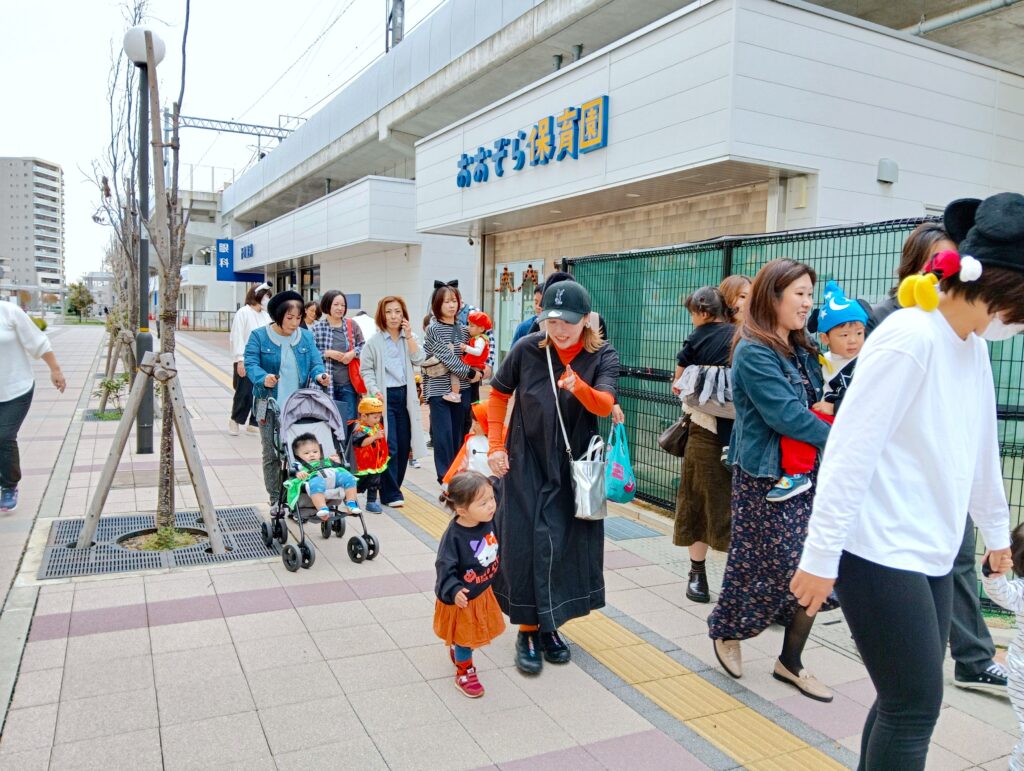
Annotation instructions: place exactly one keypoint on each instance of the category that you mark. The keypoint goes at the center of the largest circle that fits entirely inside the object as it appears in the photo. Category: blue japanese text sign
(225, 261)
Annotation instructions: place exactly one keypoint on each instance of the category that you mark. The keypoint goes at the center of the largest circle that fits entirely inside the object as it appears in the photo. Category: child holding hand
(1009, 594)
(317, 476)
(466, 614)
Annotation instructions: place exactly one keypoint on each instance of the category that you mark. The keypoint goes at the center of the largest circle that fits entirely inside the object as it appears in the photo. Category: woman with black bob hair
(279, 360)
(900, 474)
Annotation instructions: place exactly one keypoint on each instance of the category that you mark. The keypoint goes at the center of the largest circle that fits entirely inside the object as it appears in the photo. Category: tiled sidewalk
(337, 666)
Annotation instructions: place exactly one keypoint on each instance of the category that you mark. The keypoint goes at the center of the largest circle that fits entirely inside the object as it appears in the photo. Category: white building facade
(32, 229)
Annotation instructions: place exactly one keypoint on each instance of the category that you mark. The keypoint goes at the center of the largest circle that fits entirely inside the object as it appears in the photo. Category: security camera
(470, 239)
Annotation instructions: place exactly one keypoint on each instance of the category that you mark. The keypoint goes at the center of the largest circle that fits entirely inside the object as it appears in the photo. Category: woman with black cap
(552, 563)
(279, 360)
(899, 475)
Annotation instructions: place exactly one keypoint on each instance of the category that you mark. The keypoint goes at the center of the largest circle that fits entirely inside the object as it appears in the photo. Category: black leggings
(12, 415)
(900, 622)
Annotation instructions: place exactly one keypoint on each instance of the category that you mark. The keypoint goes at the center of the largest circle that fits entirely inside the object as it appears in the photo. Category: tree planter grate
(239, 524)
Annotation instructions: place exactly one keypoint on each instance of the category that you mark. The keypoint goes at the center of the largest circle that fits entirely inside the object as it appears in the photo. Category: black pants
(900, 622)
(369, 484)
(399, 442)
(447, 430)
(12, 415)
(241, 405)
(474, 397)
(969, 638)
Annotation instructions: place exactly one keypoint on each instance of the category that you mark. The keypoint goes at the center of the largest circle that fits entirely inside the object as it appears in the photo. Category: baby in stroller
(317, 475)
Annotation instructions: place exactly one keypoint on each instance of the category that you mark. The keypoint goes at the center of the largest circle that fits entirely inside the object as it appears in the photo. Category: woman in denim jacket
(776, 379)
(279, 360)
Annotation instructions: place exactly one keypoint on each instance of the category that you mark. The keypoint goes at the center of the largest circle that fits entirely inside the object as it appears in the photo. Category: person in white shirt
(20, 341)
(913, 450)
(250, 316)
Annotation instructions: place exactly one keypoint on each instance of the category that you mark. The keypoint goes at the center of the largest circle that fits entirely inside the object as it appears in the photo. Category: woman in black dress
(552, 564)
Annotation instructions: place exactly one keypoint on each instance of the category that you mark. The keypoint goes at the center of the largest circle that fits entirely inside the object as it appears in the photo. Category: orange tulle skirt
(473, 626)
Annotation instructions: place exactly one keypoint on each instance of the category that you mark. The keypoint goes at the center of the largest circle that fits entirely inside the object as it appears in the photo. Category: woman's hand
(240, 368)
(618, 416)
(461, 598)
(346, 357)
(323, 379)
(498, 461)
(1000, 561)
(810, 590)
(568, 379)
(270, 381)
(57, 378)
(406, 327)
(825, 408)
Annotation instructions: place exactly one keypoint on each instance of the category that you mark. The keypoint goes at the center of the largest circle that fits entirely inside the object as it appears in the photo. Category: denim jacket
(263, 357)
(770, 403)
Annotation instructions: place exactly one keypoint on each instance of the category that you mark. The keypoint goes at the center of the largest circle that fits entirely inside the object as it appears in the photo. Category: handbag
(620, 480)
(673, 439)
(433, 367)
(354, 374)
(588, 472)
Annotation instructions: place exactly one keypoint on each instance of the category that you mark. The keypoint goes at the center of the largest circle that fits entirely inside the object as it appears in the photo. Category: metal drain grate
(620, 529)
(240, 525)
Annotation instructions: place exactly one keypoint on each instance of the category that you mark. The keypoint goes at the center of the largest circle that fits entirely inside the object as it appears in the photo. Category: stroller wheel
(268, 538)
(290, 557)
(338, 526)
(325, 528)
(308, 554)
(372, 547)
(280, 531)
(357, 548)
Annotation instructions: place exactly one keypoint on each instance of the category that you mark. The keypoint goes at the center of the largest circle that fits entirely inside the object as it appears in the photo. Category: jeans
(900, 622)
(969, 638)
(347, 400)
(241, 404)
(399, 442)
(271, 460)
(12, 415)
(447, 421)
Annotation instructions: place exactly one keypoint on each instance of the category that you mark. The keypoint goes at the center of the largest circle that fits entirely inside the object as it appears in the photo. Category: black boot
(555, 649)
(697, 587)
(528, 660)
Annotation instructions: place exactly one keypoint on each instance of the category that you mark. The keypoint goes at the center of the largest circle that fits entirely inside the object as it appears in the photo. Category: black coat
(552, 563)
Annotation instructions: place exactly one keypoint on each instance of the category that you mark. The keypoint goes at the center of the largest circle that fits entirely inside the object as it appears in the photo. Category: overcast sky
(55, 57)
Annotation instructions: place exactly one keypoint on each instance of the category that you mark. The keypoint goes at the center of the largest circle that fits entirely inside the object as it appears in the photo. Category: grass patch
(164, 539)
(107, 415)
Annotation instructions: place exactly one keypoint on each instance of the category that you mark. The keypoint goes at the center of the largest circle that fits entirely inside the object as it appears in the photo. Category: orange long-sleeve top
(599, 403)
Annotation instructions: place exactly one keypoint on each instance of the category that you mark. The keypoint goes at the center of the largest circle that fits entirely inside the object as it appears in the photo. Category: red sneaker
(468, 683)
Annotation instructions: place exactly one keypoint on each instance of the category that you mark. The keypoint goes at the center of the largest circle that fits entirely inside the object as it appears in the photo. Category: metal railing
(205, 321)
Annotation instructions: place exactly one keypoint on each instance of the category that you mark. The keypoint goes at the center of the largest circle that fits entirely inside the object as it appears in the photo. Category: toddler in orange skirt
(466, 614)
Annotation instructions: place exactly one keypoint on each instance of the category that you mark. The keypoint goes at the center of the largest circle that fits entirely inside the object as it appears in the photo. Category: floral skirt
(767, 541)
(472, 626)
(702, 503)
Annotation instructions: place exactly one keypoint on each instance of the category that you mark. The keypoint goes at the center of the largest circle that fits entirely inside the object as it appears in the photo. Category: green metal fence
(641, 293)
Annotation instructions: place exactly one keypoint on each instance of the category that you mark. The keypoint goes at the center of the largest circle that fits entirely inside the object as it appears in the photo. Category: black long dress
(552, 563)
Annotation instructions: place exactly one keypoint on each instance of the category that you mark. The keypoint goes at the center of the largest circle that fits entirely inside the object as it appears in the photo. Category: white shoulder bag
(588, 480)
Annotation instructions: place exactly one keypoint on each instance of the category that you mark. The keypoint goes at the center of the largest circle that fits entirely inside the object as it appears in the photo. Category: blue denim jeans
(399, 442)
(347, 400)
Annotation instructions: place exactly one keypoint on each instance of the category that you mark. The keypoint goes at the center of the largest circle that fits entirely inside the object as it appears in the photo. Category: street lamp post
(135, 49)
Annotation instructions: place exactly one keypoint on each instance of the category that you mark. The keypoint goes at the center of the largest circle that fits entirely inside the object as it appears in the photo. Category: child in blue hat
(842, 325)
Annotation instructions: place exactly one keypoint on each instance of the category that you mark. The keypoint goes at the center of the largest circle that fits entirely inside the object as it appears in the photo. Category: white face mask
(264, 302)
(998, 329)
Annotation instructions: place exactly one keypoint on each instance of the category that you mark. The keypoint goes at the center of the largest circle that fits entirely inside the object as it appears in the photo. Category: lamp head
(135, 45)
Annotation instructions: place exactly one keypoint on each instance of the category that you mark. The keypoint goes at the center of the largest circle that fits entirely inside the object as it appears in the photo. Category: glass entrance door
(516, 282)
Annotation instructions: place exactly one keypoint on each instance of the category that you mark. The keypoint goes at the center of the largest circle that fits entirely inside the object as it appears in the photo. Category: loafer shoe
(555, 649)
(804, 682)
(730, 656)
(697, 587)
(528, 660)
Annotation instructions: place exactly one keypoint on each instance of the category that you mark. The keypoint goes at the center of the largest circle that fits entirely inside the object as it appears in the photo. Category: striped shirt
(441, 340)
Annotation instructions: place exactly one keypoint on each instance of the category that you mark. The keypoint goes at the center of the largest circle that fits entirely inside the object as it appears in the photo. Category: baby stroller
(309, 410)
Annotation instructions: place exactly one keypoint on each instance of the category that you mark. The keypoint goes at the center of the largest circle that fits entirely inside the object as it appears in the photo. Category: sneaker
(788, 486)
(353, 507)
(8, 499)
(468, 683)
(232, 428)
(453, 398)
(413, 463)
(992, 680)
(373, 507)
(253, 429)
(804, 682)
(324, 514)
(396, 504)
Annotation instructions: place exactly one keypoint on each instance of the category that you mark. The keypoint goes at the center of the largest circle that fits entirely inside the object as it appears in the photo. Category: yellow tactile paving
(807, 759)
(204, 365)
(724, 721)
(688, 697)
(639, 663)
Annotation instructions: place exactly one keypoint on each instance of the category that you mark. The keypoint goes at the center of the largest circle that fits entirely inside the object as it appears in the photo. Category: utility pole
(144, 339)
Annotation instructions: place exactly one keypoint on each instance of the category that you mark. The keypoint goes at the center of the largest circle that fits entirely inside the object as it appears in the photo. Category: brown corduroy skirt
(702, 502)
(473, 626)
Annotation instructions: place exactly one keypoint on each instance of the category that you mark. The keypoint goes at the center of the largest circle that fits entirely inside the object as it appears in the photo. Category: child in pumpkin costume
(369, 449)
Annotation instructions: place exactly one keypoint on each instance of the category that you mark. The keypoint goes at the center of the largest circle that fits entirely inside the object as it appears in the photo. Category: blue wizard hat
(838, 309)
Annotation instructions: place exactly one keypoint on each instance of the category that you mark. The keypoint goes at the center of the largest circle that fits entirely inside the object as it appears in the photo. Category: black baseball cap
(566, 301)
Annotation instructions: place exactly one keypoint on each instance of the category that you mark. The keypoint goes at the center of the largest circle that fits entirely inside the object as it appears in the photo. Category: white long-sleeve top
(20, 342)
(913, 450)
(242, 325)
